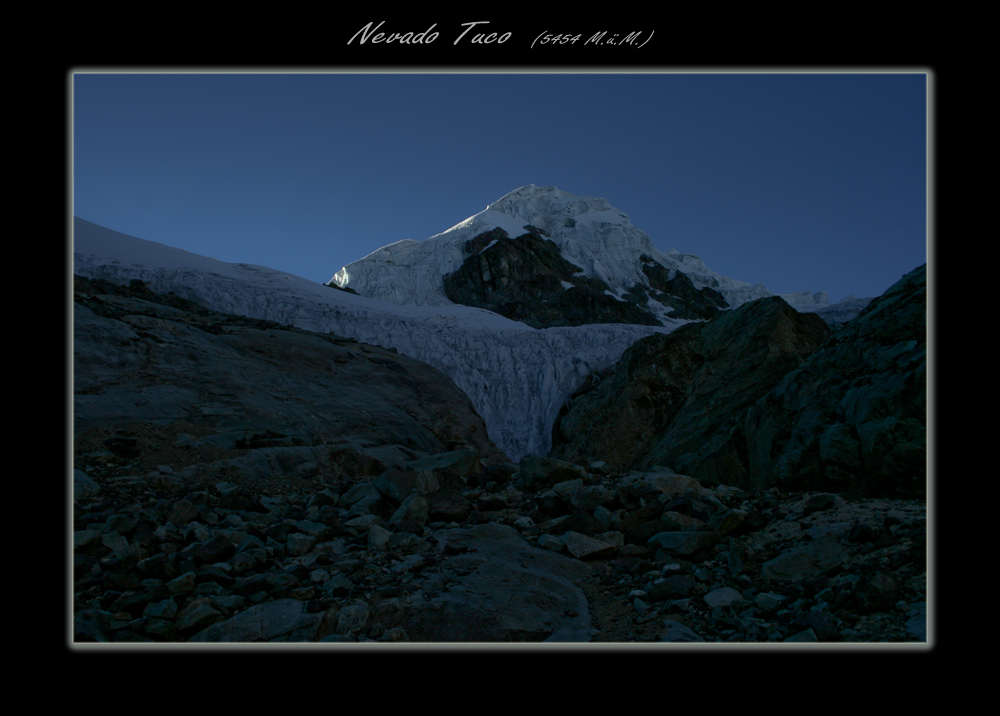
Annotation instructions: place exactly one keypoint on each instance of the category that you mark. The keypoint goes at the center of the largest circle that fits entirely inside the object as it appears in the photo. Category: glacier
(516, 376)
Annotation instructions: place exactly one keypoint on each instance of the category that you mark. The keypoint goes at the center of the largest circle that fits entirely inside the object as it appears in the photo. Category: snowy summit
(589, 233)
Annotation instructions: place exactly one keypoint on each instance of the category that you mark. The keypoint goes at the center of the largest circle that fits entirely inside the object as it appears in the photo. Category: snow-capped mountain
(610, 256)
(517, 376)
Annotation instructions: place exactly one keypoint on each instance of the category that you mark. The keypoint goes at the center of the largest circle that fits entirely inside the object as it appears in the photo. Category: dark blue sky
(799, 181)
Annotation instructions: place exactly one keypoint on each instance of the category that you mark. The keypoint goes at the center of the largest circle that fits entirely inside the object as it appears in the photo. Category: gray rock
(676, 586)
(563, 489)
(511, 592)
(251, 559)
(803, 636)
(768, 600)
(539, 473)
(551, 542)
(822, 501)
(464, 462)
(196, 615)
(92, 625)
(876, 591)
(378, 537)
(404, 541)
(683, 543)
(299, 544)
(588, 498)
(165, 609)
(804, 561)
(313, 529)
(584, 547)
(114, 541)
(724, 597)
(85, 538)
(726, 520)
(83, 486)
(448, 506)
(264, 622)
(640, 606)
(413, 508)
(676, 632)
(352, 620)
(678, 522)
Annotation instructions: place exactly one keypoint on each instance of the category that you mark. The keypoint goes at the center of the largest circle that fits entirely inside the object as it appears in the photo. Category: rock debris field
(448, 552)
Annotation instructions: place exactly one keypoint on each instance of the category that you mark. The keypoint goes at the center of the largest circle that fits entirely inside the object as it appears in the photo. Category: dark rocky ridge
(764, 395)
(671, 398)
(244, 383)
(853, 417)
(523, 279)
(679, 293)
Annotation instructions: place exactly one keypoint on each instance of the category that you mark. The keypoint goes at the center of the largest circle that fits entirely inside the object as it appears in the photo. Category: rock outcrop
(672, 398)
(853, 417)
(764, 395)
(674, 288)
(527, 279)
(257, 395)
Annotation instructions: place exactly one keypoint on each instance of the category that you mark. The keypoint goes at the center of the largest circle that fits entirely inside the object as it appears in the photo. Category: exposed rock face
(282, 398)
(672, 398)
(673, 288)
(753, 399)
(526, 279)
(853, 416)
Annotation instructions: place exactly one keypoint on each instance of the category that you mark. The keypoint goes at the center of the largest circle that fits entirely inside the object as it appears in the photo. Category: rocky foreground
(446, 551)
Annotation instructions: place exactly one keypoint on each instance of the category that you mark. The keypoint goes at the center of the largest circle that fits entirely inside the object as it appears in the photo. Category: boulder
(280, 620)
(509, 591)
(539, 473)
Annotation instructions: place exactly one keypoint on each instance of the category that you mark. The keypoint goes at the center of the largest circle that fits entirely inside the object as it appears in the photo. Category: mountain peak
(533, 201)
(598, 243)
